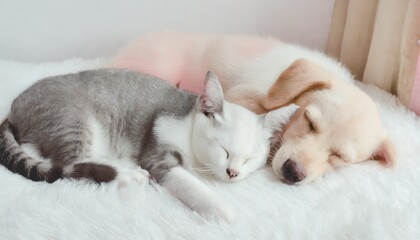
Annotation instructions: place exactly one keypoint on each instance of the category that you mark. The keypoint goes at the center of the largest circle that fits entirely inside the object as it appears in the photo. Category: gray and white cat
(77, 121)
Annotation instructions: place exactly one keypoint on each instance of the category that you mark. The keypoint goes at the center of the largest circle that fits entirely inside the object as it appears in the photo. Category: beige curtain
(378, 41)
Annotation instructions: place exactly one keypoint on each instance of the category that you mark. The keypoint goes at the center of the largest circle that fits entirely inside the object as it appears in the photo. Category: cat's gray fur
(54, 112)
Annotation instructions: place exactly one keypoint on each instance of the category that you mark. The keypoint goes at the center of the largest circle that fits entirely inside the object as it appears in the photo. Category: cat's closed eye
(248, 159)
(227, 153)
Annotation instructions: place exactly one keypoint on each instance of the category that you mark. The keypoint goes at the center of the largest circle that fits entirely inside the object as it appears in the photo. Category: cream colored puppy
(337, 124)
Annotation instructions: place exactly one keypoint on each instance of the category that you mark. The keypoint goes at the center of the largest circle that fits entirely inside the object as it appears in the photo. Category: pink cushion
(415, 94)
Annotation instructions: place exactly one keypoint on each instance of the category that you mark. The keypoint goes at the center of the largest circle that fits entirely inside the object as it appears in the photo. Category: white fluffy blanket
(359, 202)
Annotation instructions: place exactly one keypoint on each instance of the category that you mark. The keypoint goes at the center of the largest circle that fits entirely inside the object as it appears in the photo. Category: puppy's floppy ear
(300, 77)
(386, 153)
(210, 101)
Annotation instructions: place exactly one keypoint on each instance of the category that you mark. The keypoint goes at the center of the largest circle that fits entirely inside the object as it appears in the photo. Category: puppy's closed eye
(311, 124)
(337, 159)
(336, 155)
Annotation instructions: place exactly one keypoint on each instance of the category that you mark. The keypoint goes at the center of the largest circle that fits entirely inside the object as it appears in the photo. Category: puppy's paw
(138, 175)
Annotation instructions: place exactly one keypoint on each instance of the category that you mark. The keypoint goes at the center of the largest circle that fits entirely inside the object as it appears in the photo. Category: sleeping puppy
(336, 125)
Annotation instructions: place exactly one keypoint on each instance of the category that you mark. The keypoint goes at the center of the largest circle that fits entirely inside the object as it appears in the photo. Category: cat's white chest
(176, 132)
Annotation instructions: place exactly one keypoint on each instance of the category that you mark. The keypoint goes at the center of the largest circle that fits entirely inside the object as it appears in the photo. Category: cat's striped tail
(16, 160)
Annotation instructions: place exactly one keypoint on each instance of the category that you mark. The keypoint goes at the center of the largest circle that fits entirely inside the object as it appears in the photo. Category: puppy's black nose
(292, 171)
(231, 173)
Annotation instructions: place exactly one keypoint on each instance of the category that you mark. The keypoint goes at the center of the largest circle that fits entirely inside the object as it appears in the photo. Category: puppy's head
(337, 124)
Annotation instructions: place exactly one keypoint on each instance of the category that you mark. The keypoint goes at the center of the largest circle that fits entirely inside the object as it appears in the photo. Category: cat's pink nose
(231, 173)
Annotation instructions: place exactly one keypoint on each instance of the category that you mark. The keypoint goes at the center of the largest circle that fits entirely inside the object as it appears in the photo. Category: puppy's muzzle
(292, 172)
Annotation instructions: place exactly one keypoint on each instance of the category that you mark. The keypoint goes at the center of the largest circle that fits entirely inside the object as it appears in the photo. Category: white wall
(50, 30)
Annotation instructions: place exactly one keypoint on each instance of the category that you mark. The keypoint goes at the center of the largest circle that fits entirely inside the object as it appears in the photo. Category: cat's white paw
(137, 175)
(226, 213)
(220, 212)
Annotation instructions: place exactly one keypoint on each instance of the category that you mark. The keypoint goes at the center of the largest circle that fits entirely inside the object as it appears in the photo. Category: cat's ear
(210, 101)
(276, 119)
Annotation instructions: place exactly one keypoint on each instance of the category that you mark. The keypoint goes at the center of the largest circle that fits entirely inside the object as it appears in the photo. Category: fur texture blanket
(363, 201)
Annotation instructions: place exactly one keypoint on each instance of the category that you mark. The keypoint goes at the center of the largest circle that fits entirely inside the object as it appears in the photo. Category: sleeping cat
(77, 121)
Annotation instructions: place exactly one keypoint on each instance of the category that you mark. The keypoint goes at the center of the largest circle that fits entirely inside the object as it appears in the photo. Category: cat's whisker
(203, 169)
(206, 164)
